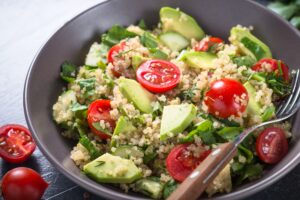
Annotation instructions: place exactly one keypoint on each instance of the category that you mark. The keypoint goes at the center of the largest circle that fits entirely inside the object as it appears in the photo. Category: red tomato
(271, 145)
(274, 67)
(180, 163)
(23, 183)
(226, 97)
(158, 75)
(115, 50)
(207, 42)
(97, 111)
(16, 143)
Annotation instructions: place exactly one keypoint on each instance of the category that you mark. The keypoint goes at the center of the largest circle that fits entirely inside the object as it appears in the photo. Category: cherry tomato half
(271, 145)
(180, 163)
(275, 64)
(111, 57)
(226, 97)
(206, 43)
(16, 143)
(158, 75)
(97, 111)
(23, 183)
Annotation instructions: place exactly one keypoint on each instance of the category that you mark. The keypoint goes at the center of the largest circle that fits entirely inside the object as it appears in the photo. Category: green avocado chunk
(150, 187)
(248, 43)
(253, 106)
(202, 60)
(136, 94)
(174, 41)
(126, 151)
(175, 119)
(177, 21)
(123, 126)
(112, 169)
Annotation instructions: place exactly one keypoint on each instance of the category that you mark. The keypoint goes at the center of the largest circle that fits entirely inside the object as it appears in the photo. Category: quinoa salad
(149, 104)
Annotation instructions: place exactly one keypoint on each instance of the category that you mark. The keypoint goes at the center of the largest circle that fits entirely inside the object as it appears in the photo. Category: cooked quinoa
(141, 142)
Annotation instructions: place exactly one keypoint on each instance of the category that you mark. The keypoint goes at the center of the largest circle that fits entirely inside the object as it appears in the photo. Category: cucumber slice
(174, 41)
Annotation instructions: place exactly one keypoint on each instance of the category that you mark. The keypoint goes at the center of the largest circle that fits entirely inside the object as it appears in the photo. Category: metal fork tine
(295, 100)
(282, 108)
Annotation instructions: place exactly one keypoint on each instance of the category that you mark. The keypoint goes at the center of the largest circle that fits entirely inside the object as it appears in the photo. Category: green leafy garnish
(229, 133)
(169, 187)
(115, 34)
(68, 72)
(246, 153)
(204, 130)
(86, 142)
(156, 53)
(247, 61)
(148, 40)
(79, 110)
(88, 85)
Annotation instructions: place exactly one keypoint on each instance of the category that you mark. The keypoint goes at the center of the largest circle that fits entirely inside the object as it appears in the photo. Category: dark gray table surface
(25, 26)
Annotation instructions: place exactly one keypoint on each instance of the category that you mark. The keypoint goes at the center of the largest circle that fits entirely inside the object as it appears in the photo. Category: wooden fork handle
(193, 186)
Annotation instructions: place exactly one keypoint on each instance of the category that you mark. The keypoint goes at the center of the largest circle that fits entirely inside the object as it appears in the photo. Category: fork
(193, 186)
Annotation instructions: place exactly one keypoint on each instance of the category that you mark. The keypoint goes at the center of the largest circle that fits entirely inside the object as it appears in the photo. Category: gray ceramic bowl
(71, 42)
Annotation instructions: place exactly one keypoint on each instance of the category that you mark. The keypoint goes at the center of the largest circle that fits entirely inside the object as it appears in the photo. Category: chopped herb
(68, 72)
(226, 122)
(122, 53)
(109, 81)
(279, 67)
(88, 85)
(142, 24)
(97, 126)
(157, 109)
(99, 163)
(188, 94)
(277, 84)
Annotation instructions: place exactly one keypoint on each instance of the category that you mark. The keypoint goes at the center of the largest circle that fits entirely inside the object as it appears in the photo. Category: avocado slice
(136, 94)
(253, 106)
(173, 41)
(126, 151)
(248, 43)
(123, 126)
(137, 61)
(112, 169)
(175, 119)
(177, 21)
(150, 187)
(202, 60)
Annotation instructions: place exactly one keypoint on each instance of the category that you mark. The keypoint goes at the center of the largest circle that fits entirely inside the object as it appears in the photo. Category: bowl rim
(110, 193)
